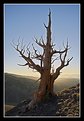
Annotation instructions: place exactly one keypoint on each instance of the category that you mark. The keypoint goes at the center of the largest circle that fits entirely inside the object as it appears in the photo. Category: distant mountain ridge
(23, 76)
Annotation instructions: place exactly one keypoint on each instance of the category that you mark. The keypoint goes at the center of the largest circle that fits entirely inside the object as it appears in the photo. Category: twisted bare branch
(40, 43)
(28, 59)
(63, 55)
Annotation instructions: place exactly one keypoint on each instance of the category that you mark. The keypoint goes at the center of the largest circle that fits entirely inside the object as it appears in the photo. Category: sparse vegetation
(69, 102)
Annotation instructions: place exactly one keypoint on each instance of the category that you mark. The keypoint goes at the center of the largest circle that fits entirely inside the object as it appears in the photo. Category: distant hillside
(18, 88)
(62, 83)
(66, 103)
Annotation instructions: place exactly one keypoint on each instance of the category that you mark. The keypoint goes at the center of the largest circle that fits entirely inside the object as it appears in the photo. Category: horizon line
(63, 76)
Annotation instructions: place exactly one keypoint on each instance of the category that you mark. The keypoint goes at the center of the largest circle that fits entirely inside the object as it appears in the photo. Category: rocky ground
(66, 103)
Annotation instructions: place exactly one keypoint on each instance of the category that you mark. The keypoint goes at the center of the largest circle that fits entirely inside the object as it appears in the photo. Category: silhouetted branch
(28, 59)
(36, 56)
(54, 60)
(68, 61)
(63, 63)
(45, 26)
(39, 43)
(62, 51)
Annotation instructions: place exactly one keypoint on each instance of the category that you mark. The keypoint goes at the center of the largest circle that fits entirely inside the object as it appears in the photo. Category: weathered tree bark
(47, 77)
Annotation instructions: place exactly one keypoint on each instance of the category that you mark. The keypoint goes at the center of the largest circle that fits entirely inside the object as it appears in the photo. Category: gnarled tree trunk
(47, 77)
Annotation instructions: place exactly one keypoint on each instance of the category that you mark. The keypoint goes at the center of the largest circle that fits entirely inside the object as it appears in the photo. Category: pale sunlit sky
(26, 21)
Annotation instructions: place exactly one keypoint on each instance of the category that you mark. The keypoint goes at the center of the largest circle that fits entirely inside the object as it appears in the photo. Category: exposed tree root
(38, 97)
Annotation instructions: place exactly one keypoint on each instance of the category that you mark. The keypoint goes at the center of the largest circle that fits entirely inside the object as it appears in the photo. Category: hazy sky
(26, 21)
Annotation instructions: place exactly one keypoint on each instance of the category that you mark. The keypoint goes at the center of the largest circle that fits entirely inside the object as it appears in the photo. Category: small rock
(59, 103)
(57, 113)
(70, 114)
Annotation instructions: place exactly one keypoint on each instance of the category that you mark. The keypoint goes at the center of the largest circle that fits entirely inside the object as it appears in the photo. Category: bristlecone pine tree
(47, 77)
